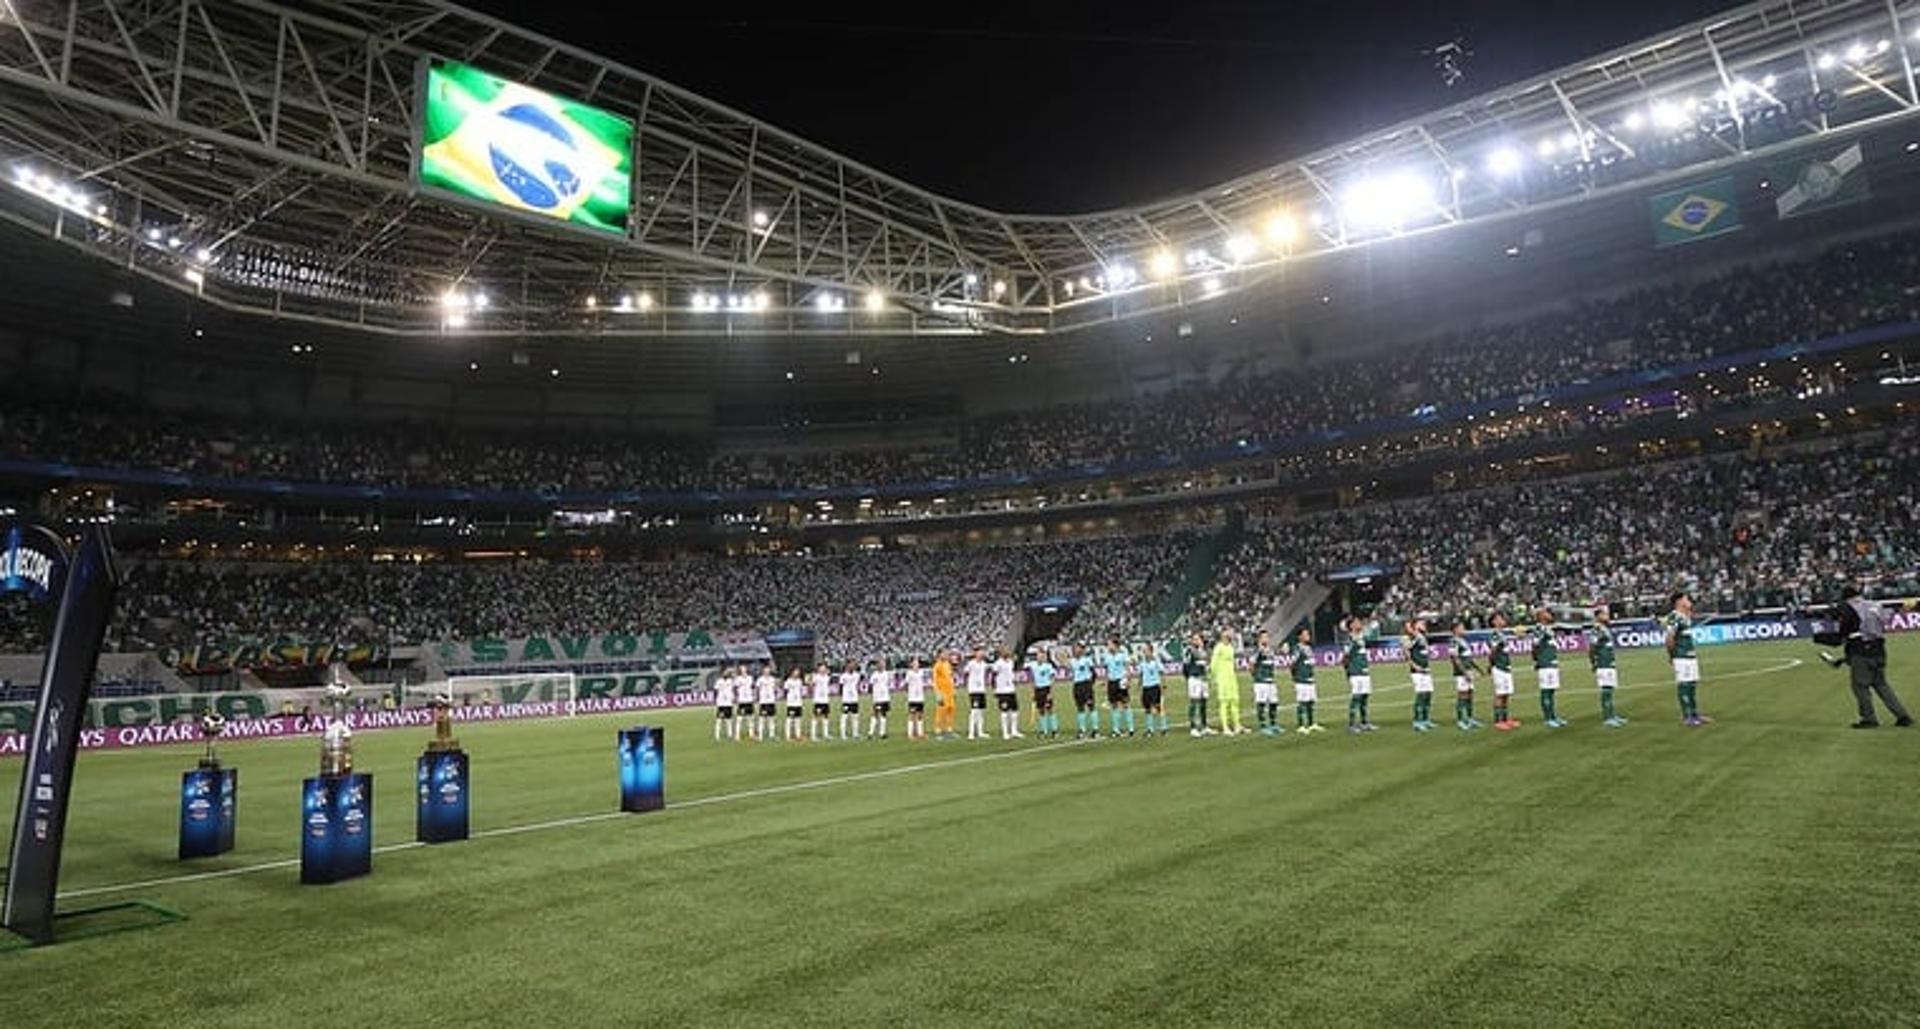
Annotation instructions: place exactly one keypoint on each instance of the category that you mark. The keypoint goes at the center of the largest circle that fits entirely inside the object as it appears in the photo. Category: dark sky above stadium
(1057, 107)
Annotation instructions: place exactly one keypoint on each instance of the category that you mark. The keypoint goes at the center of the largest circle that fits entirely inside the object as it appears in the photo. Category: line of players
(748, 706)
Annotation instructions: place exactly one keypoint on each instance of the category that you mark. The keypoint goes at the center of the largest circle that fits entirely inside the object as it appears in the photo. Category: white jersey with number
(916, 685)
(850, 687)
(723, 691)
(976, 676)
(796, 691)
(882, 686)
(822, 688)
(769, 689)
(1003, 676)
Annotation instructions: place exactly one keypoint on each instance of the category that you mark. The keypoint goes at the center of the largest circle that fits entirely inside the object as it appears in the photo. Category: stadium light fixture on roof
(1281, 229)
(1387, 201)
(760, 219)
(1241, 247)
(1120, 275)
(1212, 286)
(1504, 161)
(1826, 61)
(1545, 148)
(876, 301)
(1856, 53)
(760, 300)
(1163, 264)
(828, 303)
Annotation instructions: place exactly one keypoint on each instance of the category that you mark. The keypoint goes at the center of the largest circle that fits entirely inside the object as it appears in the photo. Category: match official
(1862, 631)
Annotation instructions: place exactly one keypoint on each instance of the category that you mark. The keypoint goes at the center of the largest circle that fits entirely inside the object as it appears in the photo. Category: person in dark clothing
(1861, 630)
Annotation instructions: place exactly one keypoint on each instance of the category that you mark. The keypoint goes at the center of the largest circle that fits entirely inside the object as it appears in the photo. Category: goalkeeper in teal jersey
(1298, 655)
(1686, 663)
(1606, 673)
(1546, 667)
(1359, 677)
(1420, 663)
(1147, 659)
(1117, 663)
(1460, 655)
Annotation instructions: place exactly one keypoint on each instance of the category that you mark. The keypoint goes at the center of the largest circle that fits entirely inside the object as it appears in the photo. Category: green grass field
(1758, 871)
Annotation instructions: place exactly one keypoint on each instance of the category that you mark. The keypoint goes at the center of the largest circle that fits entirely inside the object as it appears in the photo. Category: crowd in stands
(862, 604)
(1742, 531)
(1847, 287)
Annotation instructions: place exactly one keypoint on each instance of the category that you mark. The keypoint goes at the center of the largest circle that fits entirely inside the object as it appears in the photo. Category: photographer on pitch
(1861, 629)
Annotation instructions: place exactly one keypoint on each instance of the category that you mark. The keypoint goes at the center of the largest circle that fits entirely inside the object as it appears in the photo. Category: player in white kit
(796, 697)
(850, 702)
(822, 685)
(976, 672)
(1005, 691)
(723, 705)
(767, 691)
(880, 682)
(916, 700)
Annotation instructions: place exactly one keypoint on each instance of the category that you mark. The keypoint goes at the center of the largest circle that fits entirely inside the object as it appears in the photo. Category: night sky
(1057, 107)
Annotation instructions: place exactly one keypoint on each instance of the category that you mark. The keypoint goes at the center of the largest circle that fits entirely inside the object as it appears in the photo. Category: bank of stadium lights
(1281, 230)
(1162, 264)
(876, 301)
(1241, 246)
(829, 303)
(1504, 161)
(1387, 201)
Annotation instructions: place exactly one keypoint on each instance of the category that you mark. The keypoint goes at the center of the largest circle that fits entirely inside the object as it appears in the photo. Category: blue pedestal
(336, 828)
(208, 795)
(440, 812)
(643, 768)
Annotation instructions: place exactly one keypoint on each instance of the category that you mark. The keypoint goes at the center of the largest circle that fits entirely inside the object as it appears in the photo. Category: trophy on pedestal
(336, 805)
(208, 794)
(440, 814)
(336, 741)
(212, 724)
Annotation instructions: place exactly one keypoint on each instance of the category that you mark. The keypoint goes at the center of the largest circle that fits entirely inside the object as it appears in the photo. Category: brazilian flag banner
(1695, 212)
(491, 140)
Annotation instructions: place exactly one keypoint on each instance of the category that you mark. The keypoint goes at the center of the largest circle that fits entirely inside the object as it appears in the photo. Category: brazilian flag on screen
(1699, 211)
(488, 139)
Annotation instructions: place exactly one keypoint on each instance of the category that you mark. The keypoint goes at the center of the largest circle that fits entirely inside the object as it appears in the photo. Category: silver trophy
(336, 741)
(212, 724)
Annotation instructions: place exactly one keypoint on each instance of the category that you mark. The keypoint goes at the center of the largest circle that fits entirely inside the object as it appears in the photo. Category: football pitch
(1761, 870)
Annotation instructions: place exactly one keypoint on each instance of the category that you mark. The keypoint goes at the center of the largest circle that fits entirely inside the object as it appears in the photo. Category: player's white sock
(718, 728)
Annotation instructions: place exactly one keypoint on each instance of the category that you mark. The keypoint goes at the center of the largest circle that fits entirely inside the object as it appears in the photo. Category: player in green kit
(1546, 668)
(1500, 660)
(1298, 654)
(1686, 663)
(1460, 655)
(1359, 677)
(1266, 689)
(1606, 672)
(1420, 661)
(1194, 668)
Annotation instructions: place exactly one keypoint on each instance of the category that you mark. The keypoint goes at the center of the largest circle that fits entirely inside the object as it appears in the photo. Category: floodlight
(1163, 264)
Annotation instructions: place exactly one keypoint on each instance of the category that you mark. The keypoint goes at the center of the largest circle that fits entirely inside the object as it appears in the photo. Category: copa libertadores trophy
(208, 793)
(337, 805)
(440, 812)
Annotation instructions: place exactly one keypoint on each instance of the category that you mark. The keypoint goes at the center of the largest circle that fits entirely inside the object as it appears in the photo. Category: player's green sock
(1459, 710)
(1203, 713)
(1606, 702)
(1365, 718)
(1309, 712)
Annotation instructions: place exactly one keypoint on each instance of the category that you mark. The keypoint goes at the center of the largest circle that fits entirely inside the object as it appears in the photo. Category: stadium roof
(261, 155)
